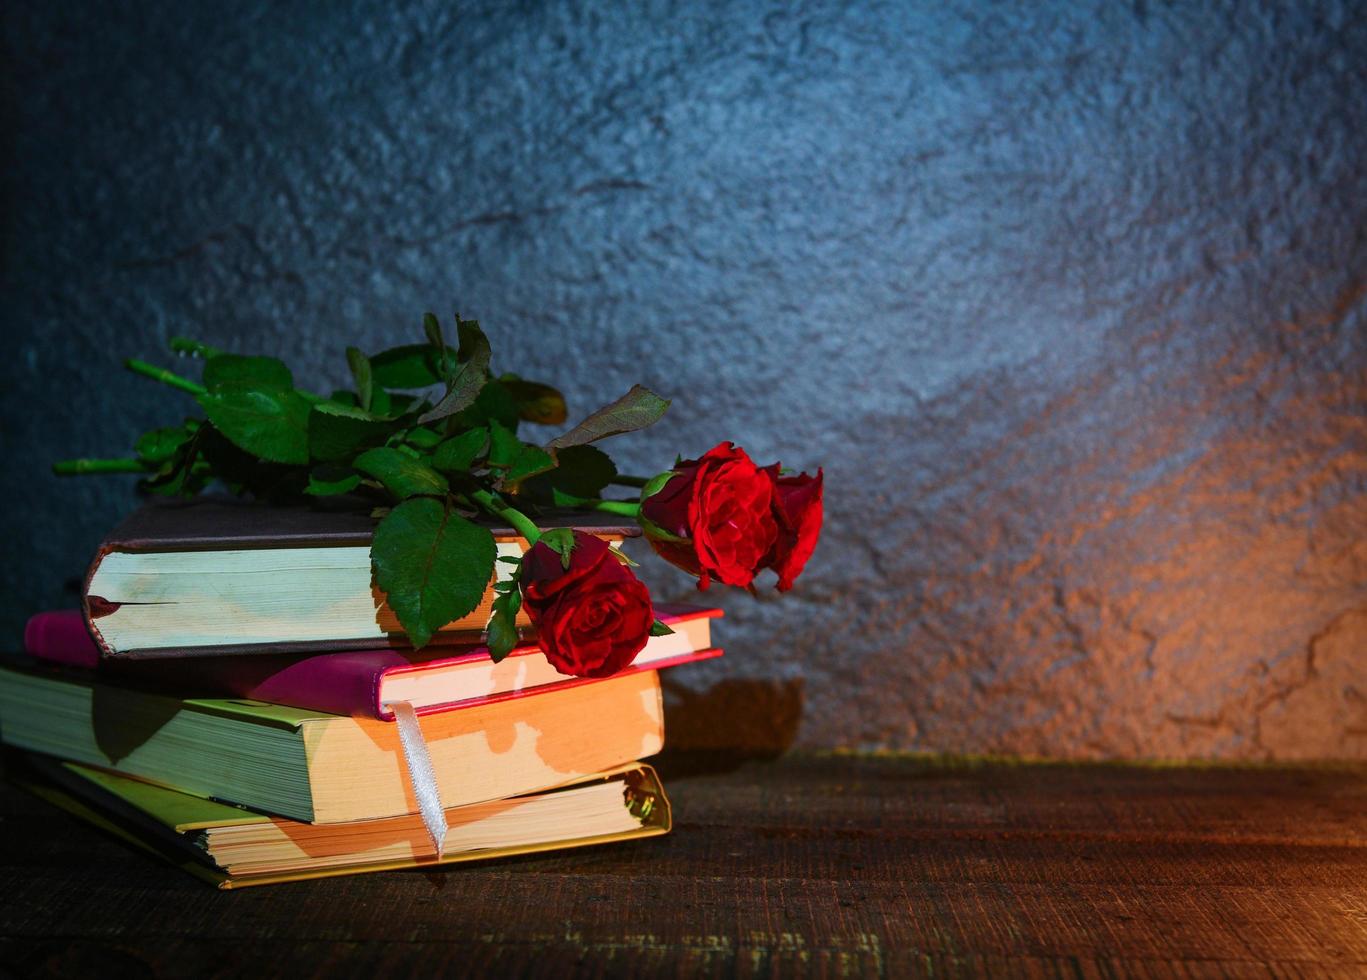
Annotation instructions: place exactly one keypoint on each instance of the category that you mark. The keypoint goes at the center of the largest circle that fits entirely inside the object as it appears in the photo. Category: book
(234, 847)
(362, 682)
(215, 575)
(326, 768)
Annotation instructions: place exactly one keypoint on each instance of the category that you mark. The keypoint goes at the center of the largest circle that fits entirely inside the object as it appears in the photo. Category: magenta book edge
(342, 683)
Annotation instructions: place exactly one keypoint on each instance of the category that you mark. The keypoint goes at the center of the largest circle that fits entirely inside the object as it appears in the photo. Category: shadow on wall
(730, 723)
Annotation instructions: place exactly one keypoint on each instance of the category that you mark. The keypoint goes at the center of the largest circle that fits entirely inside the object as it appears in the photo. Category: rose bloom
(591, 618)
(798, 512)
(717, 517)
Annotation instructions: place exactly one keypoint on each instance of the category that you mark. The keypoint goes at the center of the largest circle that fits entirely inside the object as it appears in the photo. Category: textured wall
(1068, 299)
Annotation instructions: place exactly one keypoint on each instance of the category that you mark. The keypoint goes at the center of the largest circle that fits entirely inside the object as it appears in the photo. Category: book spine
(93, 607)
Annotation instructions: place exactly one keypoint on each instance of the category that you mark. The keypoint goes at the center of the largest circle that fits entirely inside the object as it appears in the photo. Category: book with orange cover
(233, 847)
(326, 768)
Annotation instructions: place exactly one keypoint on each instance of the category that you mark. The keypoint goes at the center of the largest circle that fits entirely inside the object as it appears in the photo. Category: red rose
(797, 510)
(593, 617)
(714, 517)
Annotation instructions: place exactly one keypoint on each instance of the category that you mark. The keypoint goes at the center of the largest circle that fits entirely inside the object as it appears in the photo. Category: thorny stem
(519, 521)
(164, 376)
(74, 467)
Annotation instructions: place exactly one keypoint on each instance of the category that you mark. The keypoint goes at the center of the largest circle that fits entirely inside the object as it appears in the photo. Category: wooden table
(812, 865)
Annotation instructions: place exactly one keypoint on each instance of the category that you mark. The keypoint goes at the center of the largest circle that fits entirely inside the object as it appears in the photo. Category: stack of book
(235, 697)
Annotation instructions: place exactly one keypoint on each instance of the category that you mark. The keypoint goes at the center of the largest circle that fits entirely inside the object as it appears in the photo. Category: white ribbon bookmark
(420, 771)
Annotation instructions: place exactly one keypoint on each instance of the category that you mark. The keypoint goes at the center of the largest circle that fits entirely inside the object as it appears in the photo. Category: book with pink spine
(363, 682)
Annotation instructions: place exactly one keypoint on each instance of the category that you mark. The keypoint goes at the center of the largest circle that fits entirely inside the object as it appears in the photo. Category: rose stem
(622, 480)
(520, 521)
(72, 467)
(184, 345)
(164, 376)
(624, 507)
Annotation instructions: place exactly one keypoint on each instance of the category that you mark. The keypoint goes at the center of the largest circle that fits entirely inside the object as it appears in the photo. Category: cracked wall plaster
(1067, 298)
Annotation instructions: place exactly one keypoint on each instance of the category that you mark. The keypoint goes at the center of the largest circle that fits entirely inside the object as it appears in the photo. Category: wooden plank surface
(812, 865)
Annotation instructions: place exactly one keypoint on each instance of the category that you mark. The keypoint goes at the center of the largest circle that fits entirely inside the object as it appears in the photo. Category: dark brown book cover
(220, 523)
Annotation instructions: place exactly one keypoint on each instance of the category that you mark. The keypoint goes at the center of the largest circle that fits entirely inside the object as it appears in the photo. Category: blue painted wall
(1068, 299)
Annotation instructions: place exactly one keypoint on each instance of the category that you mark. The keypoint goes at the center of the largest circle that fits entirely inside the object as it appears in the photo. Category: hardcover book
(327, 768)
(234, 847)
(213, 575)
(362, 682)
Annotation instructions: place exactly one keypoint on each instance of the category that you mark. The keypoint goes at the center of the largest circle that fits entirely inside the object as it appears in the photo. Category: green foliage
(160, 445)
(361, 373)
(432, 564)
(411, 366)
(402, 475)
(270, 423)
(561, 541)
(266, 373)
(535, 402)
(502, 637)
(427, 436)
(658, 628)
(493, 404)
(657, 483)
(464, 385)
(637, 409)
(530, 461)
(329, 479)
(504, 445)
(580, 471)
(431, 326)
(339, 432)
(459, 453)
(512, 459)
(654, 530)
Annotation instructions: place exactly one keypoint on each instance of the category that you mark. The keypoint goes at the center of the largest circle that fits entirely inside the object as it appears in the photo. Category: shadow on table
(722, 727)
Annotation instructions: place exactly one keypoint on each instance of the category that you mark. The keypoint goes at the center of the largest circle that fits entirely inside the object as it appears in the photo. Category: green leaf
(536, 402)
(330, 479)
(658, 628)
(504, 445)
(260, 372)
(411, 366)
(501, 637)
(270, 423)
(530, 461)
(517, 459)
(654, 530)
(464, 386)
(493, 403)
(422, 437)
(432, 564)
(432, 327)
(361, 374)
(582, 471)
(382, 404)
(337, 432)
(401, 474)
(182, 472)
(160, 445)
(458, 454)
(561, 541)
(637, 409)
(657, 483)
